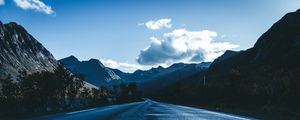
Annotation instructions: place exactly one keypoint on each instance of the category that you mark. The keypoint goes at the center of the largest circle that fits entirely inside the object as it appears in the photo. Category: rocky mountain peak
(21, 51)
(93, 70)
(70, 59)
(95, 62)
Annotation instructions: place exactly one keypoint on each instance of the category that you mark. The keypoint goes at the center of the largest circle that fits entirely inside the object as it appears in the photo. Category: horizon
(124, 38)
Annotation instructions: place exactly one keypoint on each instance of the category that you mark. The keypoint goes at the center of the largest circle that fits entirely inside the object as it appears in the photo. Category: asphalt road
(146, 110)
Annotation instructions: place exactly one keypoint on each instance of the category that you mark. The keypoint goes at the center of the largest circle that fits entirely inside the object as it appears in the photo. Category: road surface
(146, 110)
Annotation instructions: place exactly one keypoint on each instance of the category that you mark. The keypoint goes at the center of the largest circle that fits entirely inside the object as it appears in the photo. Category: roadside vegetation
(48, 92)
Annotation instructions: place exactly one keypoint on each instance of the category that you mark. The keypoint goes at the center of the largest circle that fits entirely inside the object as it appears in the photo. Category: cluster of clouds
(158, 24)
(178, 45)
(182, 45)
(36, 5)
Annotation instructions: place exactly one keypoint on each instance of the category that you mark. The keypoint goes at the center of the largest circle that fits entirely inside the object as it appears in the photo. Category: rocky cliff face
(21, 51)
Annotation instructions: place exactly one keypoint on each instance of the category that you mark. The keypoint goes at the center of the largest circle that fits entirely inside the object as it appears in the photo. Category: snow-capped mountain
(21, 51)
(93, 71)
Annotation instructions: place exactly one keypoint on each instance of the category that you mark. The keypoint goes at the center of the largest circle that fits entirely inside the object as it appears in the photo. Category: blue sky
(116, 31)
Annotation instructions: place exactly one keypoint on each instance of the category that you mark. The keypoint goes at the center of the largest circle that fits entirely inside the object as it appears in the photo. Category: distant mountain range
(155, 79)
(148, 81)
(21, 51)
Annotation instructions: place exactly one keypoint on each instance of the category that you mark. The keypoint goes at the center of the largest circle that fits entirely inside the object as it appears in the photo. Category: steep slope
(279, 45)
(21, 51)
(281, 41)
(265, 76)
(123, 75)
(228, 54)
(93, 71)
(263, 79)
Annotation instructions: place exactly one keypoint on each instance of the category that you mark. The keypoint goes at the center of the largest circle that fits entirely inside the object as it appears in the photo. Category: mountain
(21, 51)
(263, 80)
(169, 76)
(266, 75)
(123, 75)
(93, 70)
(155, 79)
(148, 81)
(155, 73)
(228, 54)
(279, 45)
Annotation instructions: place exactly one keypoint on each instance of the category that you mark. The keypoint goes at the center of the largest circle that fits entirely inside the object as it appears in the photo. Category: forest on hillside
(48, 92)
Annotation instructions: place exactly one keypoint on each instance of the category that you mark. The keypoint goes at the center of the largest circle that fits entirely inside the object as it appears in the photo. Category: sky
(140, 34)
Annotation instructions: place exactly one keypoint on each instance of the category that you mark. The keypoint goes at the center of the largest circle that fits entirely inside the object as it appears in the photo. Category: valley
(262, 81)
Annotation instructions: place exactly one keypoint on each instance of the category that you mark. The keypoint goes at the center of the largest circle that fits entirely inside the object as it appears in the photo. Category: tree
(124, 90)
(132, 87)
(69, 84)
(10, 95)
(44, 91)
(9, 89)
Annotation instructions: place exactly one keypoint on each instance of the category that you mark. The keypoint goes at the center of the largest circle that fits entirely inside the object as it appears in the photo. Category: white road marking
(80, 111)
(157, 114)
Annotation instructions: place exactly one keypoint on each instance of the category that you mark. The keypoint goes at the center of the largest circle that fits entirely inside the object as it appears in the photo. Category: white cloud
(158, 24)
(36, 5)
(182, 45)
(2, 2)
(125, 67)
